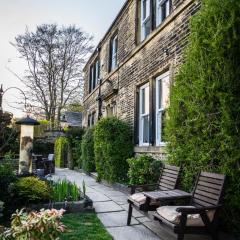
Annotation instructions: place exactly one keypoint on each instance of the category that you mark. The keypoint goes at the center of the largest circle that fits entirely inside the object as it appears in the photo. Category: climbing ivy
(204, 115)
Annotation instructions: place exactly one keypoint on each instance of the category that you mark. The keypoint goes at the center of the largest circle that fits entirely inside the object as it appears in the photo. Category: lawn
(84, 226)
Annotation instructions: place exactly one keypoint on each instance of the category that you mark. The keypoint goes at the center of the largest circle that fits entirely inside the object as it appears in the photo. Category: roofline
(107, 32)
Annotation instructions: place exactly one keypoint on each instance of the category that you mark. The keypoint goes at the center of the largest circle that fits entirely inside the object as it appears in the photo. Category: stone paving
(111, 208)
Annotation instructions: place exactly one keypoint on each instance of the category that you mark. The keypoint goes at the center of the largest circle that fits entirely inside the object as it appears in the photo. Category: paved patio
(111, 207)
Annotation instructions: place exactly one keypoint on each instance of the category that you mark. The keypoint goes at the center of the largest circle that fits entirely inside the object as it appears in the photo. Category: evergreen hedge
(112, 147)
(61, 147)
(87, 149)
(204, 116)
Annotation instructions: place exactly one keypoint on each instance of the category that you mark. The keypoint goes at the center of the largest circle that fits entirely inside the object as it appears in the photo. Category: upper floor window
(113, 53)
(153, 12)
(163, 8)
(94, 75)
(145, 18)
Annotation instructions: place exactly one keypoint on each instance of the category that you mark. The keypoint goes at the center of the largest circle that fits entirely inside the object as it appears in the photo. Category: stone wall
(139, 62)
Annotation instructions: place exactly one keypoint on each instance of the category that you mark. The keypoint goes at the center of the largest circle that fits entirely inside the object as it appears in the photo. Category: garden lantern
(26, 144)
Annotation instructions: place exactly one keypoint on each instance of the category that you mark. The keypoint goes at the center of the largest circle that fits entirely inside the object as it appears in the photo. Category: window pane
(145, 122)
(165, 92)
(167, 8)
(163, 129)
(146, 9)
(159, 92)
(147, 27)
(145, 100)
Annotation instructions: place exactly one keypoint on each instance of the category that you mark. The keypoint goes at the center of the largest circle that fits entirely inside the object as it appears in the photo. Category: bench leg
(129, 214)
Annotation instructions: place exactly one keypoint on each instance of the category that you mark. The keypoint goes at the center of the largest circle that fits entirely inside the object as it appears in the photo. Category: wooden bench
(168, 180)
(202, 214)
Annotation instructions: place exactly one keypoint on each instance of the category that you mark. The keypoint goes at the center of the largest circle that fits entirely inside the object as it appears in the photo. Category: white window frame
(141, 116)
(160, 109)
(114, 50)
(159, 4)
(146, 19)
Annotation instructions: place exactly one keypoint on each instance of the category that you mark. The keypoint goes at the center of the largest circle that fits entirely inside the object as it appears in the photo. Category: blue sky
(93, 16)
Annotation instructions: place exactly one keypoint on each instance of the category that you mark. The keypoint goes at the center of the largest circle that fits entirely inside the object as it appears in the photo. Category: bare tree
(55, 58)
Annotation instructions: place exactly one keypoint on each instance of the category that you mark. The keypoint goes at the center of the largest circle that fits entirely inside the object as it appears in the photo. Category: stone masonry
(138, 62)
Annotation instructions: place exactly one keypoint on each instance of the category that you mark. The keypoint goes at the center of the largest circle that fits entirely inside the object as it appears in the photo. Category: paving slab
(115, 219)
(103, 207)
(135, 213)
(137, 232)
(114, 193)
(98, 197)
(144, 219)
(120, 199)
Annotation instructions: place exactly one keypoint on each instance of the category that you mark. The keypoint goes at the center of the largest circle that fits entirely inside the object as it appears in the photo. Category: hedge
(112, 146)
(61, 147)
(204, 123)
(87, 149)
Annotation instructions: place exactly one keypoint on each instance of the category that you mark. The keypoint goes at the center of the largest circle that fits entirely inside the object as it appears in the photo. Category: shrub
(112, 146)
(143, 169)
(6, 178)
(87, 147)
(41, 146)
(203, 125)
(74, 136)
(43, 225)
(64, 190)
(61, 147)
(29, 190)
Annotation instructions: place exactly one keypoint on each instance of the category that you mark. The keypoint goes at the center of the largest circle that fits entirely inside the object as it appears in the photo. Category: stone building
(130, 72)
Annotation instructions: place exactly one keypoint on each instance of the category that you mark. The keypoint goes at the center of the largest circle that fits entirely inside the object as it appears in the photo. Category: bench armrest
(197, 210)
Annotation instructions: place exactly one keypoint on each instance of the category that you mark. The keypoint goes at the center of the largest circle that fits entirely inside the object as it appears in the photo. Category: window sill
(149, 149)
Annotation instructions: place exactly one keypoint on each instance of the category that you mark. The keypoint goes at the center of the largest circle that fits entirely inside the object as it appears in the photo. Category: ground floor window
(91, 119)
(153, 100)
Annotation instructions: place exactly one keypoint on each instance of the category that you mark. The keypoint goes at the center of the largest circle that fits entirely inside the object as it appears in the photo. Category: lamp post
(26, 144)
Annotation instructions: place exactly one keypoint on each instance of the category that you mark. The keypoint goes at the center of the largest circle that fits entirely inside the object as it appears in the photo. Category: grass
(84, 226)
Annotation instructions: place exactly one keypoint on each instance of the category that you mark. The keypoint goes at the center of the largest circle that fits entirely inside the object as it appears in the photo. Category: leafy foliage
(41, 146)
(7, 177)
(143, 169)
(74, 136)
(87, 149)
(203, 124)
(64, 190)
(8, 134)
(61, 147)
(112, 146)
(29, 190)
(43, 225)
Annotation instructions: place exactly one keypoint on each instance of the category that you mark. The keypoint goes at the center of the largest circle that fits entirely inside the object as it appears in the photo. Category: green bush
(7, 177)
(61, 147)
(112, 146)
(87, 149)
(143, 169)
(29, 190)
(74, 136)
(204, 123)
(40, 146)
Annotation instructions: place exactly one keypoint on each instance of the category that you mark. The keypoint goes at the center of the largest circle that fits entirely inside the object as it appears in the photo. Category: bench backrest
(169, 177)
(208, 190)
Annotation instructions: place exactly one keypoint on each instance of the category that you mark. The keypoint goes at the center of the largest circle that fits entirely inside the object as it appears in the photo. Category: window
(94, 75)
(162, 98)
(91, 119)
(113, 53)
(144, 115)
(153, 11)
(163, 8)
(145, 18)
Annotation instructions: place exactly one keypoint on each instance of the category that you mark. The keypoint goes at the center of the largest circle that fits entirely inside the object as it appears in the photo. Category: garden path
(111, 207)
